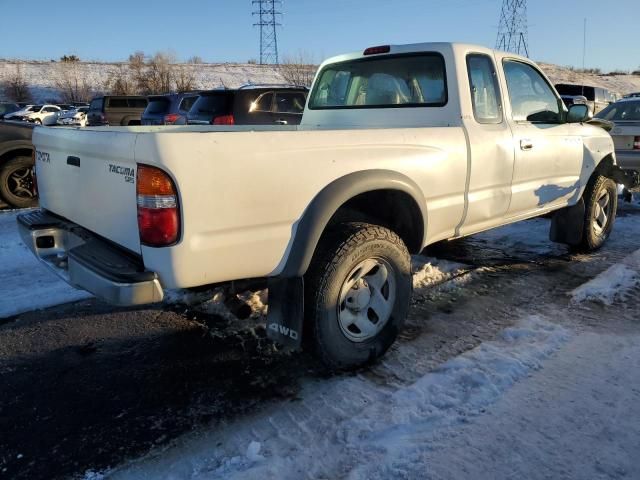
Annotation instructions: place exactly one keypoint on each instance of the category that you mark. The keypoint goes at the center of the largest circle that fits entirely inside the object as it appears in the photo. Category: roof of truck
(421, 47)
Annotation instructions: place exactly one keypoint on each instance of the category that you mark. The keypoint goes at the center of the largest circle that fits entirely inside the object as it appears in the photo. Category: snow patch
(354, 426)
(611, 285)
(25, 283)
(430, 271)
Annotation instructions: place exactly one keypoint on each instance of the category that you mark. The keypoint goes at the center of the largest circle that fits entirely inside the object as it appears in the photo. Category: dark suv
(250, 105)
(596, 98)
(168, 109)
(112, 110)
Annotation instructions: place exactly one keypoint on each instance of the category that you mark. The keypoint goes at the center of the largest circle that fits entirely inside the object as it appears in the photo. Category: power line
(268, 12)
(513, 35)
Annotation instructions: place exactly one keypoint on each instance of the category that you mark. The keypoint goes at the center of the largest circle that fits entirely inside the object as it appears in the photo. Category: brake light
(171, 118)
(377, 50)
(224, 120)
(158, 216)
(636, 143)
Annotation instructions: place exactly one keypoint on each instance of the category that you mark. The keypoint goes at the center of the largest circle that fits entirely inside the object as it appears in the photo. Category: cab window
(485, 93)
(532, 99)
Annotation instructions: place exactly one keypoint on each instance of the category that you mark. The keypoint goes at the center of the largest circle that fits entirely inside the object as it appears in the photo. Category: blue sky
(221, 30)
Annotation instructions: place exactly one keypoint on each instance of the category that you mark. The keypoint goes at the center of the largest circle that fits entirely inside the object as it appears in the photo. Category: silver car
(625, 114)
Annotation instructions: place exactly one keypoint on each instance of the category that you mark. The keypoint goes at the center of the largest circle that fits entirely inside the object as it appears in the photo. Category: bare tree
(298, 69)
(72, 82)
(196, 59)
(15, 86)
(120, 82)
(159, 73)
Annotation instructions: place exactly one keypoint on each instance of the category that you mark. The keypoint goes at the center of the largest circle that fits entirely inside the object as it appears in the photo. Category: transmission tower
(513, 33)
(267, 12)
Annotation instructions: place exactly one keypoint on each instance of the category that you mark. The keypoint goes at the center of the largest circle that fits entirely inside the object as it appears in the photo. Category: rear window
(416, 80)
(211, 104)
(621, 111)
(137, 102)
(158, 105)
(573, 90)
(187, 103)
(96, 104)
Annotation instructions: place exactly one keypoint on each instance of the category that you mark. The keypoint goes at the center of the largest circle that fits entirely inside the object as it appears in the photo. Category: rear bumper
(86, 261)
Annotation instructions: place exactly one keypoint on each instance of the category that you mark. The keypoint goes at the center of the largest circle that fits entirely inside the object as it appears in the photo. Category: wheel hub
(366, 299)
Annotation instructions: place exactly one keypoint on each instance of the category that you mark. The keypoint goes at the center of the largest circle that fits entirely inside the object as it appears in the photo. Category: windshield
(621, 111)
(416, 80)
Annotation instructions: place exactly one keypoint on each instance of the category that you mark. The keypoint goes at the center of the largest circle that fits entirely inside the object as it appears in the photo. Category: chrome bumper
(88, 262)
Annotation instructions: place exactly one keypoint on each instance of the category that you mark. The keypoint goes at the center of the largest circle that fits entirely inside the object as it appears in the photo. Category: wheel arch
(357, 197)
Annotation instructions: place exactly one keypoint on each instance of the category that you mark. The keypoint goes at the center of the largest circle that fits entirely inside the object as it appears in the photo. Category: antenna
(268, 13)
(513, 35)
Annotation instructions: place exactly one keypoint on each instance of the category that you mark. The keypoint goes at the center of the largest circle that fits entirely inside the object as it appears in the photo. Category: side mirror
(579, 113)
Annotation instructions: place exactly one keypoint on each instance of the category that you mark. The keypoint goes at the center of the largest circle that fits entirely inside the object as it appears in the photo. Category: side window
(263, 103)
(137, 103)
(117, 102)
(290, 102)
(532, 99)
(485, 92)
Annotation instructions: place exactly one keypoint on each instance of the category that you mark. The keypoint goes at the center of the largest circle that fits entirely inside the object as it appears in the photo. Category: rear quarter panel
(242, 192)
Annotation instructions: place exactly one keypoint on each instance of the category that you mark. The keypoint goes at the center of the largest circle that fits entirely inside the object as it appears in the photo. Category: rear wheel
(601, 204)
(358, 289)
(16, 183)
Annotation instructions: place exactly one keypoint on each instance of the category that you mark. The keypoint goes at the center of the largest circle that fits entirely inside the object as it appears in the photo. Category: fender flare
(8, 147)
(326, 203)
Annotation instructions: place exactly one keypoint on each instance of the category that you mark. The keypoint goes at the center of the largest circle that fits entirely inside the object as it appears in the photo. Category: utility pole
(267, 13)
(513, 35)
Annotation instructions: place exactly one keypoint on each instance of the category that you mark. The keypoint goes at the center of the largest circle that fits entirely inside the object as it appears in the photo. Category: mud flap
(567, 225)
(286, 311)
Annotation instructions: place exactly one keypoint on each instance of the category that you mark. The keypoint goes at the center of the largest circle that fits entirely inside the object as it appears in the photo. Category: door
(491, 148)
(548, 152)
(260, 110)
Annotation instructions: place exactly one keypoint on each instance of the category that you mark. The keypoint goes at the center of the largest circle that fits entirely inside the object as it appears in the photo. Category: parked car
(65, 107)
(76, 116)
(168, 109)
(597, 98)
(399, 147)
(249, 105)
(16, 165)
(45, 115)
(24, 110)
(632, 95)
(7, 108)
(116, 110)
(625, 114)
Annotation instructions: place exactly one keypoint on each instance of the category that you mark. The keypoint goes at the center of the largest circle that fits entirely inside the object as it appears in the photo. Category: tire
(357, 293)
(601, 204)
(16, 182)
(37, 121)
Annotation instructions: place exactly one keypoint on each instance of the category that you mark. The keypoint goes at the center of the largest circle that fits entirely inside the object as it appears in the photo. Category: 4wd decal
(285, 331)
(128, 173)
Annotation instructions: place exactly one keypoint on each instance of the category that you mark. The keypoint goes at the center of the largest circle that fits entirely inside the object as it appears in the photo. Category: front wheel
(601, 204)
(358, 289)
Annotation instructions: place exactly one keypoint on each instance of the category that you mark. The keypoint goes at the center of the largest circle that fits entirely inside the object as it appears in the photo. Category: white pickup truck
(399, 147)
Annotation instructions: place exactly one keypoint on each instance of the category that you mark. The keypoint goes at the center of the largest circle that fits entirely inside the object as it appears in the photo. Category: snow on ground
(26, 284)
(350, 427)
(612, 284)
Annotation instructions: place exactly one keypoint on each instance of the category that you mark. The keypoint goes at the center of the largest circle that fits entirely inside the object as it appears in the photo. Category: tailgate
(88, 177)
(624, 134)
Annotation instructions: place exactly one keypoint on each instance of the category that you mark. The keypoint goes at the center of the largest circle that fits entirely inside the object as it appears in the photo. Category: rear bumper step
(86, 261)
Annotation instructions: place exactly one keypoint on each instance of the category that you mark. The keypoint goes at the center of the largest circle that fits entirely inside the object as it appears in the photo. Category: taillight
(636, 143)
(377, 50)
(171, 118)
(158, 216)
(224, 120)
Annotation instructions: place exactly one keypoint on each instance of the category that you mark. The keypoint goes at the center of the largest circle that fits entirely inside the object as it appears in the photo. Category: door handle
(282, 122)
(526, 144)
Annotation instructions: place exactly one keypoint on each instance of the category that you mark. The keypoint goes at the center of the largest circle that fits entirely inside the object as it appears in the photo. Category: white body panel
(243, 189)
